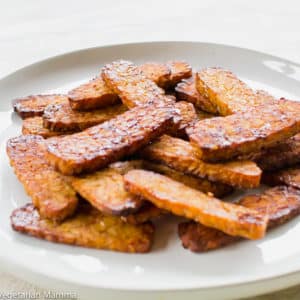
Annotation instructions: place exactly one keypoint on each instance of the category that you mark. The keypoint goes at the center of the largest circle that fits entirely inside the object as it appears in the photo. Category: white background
(31, 30)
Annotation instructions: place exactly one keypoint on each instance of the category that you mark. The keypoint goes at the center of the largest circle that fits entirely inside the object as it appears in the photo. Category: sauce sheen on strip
(98, 146)
(224, 138)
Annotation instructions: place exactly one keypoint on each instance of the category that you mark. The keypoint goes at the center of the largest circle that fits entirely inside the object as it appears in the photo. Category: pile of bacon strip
(138, 143)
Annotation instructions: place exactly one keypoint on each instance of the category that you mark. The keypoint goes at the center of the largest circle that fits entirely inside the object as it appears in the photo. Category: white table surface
(32, 30)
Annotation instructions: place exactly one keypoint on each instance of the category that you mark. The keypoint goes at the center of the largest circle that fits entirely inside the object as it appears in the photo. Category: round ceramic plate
(243, 269)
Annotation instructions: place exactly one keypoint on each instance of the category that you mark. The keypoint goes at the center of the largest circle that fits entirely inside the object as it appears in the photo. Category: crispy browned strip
(108, 142)
(188, 117)
(281, 204)
(147, 213)
(61, 117)
(131, 85)
(223, 138)
(290, 177)
(50, 193)
(35, 126)
(96, 94)
(227, 93)
(34, 105)
(88, 228)
(283, 155)
(215, 188)
(105, 189)
(182, 156)
(186, 90)
(184, 201)
(157, 72)
(179, 70)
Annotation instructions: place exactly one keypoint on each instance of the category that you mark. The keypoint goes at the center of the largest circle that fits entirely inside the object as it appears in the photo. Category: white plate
(244, 269)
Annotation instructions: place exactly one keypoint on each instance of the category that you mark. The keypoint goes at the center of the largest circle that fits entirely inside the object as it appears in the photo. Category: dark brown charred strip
(280, 156)
(182, 200)
(289, 177)
(224, 138)
(98, 146)
(281, 204)
(87, 228)
(50, 193)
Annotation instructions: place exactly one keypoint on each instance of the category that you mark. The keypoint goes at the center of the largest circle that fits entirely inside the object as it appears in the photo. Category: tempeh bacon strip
(51, 194)
(87, 228)
(281, 204)
(181, 200)
(110, 141)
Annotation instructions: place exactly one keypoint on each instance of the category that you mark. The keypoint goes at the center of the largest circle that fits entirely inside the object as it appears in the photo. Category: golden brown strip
(147, 213)
(184, 201)
(281, 204)
(34, 105)
(289, 177)
(224, 138)
(50, 193)
(105, 189)
(179, 70)
(61, 117)
(92, 95)
(186, 90)
(215, 188)
(280, 156)
(131, 85)
(227, 93)
(35, 126)
(182, 156)
(96, 94)
(188, 117)
(108, 142)
(88, 228)
(158, 73)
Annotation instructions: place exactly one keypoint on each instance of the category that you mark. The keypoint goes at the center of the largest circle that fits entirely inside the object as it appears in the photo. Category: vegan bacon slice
(34, 105)
(227, 93)
(223, 138)
(131, 85)
(215, 188)
(105, 189)
(280, 156)
(184, 201)
(186, 90)
(87, 228)
(188, 116)
(182, 156)
(34, 126)
(96, 94)
(281, 204)
(289, 177)
(108, 142)
(61, 117)
(51, 194)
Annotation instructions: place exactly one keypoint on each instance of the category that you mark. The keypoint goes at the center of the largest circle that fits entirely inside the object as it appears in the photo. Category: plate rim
(8, 260)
